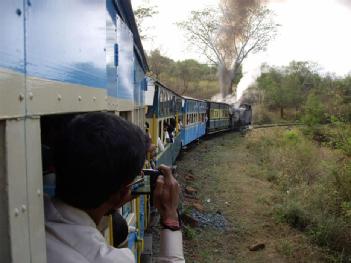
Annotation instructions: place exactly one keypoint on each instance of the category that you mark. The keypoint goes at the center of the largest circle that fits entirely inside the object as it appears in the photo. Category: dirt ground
(218, 169)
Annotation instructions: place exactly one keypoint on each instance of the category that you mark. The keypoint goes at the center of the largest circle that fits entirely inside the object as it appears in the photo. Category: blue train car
(163, 114)
(194, 119)
(219, 117)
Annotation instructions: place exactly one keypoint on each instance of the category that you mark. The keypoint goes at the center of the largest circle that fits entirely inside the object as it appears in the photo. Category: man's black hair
(96, 155)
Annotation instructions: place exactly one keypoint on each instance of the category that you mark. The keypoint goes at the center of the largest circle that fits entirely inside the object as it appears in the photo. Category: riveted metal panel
(16, 194)
(52, 97)
(117, 104)
(34, 191)
(66, 60)
(12, 66)
(12, 94)
(5, 248)
(65, 41)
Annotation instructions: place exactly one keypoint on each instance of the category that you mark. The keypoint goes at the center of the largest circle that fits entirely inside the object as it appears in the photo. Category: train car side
(219, 118)
(163, 117)
(194, 119)
(55, 64)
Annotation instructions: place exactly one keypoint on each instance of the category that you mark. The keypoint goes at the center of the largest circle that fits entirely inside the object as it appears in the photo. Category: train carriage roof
(218, 102)
(164, 86)
(191, 98)
(125, 11)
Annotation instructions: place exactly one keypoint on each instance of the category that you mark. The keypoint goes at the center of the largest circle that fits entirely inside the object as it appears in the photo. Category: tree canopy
(227, 41)
(187, 77)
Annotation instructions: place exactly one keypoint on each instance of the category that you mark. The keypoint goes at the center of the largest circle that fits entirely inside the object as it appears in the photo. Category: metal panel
(12, 88)
(12, 94)
(139, 80)
(119, 104)
(34, 191)
(125, 69)
(14, 232)
(65, 56)
(111, 49)
(5, 248)
(65, 41)
(49, 97)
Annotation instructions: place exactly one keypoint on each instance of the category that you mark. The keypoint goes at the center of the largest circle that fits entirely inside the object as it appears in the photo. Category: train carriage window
(160, 129)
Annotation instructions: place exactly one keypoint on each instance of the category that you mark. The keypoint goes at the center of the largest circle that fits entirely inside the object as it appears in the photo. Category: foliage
(300, 93)
(187, 77)
(314, 111)
(315, 185)
(142, 13)
(226, 41)
(287, 87)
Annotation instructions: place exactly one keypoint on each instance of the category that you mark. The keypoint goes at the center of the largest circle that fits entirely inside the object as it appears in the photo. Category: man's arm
(166, 198)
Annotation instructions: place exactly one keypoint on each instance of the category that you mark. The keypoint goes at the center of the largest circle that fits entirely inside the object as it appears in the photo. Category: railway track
(275, 125)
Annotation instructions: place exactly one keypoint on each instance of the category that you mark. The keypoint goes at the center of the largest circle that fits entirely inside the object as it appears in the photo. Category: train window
(160, 129)
(50, 127)
(161, 96)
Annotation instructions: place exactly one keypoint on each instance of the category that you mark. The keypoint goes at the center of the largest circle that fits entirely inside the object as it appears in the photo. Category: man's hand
(166, 195)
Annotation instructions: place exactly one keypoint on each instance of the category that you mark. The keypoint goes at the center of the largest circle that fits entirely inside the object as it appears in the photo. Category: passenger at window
(160, 145)
(96, 159)
(166, 135)
(180, 125)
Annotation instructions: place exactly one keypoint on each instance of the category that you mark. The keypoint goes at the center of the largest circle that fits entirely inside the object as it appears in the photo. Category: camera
(145, 185)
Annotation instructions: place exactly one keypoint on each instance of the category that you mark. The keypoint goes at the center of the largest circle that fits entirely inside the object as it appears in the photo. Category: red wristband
(171, 224)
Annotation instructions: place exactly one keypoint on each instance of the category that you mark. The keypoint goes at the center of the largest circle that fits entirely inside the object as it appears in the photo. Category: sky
(311, 30)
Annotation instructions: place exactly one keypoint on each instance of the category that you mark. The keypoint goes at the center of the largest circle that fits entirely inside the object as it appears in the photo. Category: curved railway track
(275, 125)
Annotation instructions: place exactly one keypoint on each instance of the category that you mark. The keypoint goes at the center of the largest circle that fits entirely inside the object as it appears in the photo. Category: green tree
(314, 111)
(142, 13)
(275, 93)
(159, 63)
(226, 40)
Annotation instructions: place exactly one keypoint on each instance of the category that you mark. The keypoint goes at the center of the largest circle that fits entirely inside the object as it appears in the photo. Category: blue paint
(111, 49)
(12, 35)
(139, 82)
(170, 154)
(132, 238)
(125, 69)
(141, 217)
(65, 46)
(116, 54)
(193, 131)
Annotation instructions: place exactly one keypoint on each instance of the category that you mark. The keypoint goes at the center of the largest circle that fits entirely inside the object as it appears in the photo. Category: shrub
(314, 111)
(315, 183)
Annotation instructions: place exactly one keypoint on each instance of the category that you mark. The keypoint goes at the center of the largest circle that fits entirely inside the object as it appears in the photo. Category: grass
(314, 186)
(236, 181)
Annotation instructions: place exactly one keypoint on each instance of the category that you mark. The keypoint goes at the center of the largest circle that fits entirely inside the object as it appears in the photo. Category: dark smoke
(240, 8)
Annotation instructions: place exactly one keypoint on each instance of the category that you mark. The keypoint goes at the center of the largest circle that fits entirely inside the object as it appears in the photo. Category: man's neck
(96, 213)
